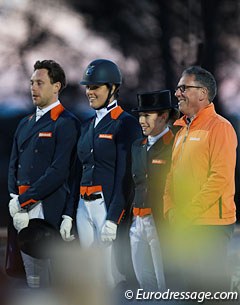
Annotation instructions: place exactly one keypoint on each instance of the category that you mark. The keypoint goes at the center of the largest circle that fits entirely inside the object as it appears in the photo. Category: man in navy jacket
(42, 161)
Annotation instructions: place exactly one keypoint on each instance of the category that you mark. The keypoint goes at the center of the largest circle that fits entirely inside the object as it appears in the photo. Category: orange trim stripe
(28, 202)
(23, 188)
(90, 189)
(120, 217)
(30, 117)
(141, 212)
(56, 111)
(116, 112)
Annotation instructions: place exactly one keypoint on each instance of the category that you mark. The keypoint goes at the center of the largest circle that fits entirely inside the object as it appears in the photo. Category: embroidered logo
(194, 139)
(158, 161)
(106, 136)
(45, 134)
(90, 70)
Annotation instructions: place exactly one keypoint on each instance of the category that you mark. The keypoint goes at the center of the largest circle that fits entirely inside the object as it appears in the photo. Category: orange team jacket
(201, 182)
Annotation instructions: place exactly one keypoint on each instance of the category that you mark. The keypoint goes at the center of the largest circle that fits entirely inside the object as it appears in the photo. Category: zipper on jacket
(184, 139)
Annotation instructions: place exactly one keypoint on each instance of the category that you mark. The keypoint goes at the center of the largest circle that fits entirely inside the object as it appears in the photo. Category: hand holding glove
(20, 220)
(14, 205)
(65, 228)
(109, 231)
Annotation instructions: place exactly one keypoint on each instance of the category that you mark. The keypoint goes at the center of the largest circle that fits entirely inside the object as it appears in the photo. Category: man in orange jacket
(199, 195)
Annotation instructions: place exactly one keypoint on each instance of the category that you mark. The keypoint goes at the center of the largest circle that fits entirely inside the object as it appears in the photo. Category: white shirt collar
(45, 110)
(104, 111)
(153, 139)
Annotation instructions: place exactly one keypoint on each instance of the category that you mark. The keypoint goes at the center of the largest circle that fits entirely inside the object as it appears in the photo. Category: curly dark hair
(55, 71)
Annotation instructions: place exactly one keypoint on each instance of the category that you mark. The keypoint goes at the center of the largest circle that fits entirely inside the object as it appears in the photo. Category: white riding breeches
(91, 216)
(146, 254)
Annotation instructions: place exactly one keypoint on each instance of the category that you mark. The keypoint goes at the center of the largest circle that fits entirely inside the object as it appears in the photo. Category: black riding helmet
(103, 72)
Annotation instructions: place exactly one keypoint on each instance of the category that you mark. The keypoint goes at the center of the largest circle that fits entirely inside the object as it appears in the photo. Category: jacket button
(36, 150)
(21, 150)
(84, 166)
(19, 166)
(92, 150)
(93, 166)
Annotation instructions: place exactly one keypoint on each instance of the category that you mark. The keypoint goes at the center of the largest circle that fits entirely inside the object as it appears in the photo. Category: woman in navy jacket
(151, 159)
(104, 150)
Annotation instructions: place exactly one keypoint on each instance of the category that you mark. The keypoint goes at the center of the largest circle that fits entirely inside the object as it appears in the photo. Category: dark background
(152, 41)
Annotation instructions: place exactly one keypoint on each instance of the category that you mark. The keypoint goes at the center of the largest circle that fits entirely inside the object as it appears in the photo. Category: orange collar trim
(116, 112)
(56, 111)
(167, 138)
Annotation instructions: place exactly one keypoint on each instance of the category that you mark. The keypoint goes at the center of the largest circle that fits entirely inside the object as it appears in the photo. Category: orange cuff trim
(30, 201)
(116, 112)
(120, 217)
(90, 189)
(141, 212)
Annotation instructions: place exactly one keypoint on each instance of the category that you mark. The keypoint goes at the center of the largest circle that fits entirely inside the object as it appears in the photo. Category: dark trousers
(199, 258)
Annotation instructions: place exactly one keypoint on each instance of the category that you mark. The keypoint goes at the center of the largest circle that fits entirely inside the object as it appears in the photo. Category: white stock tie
(39, 114)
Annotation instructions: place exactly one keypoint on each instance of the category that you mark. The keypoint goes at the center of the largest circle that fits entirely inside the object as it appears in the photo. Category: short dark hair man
(43, 154)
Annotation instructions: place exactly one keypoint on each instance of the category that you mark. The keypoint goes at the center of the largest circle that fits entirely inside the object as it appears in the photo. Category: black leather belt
(91, 197)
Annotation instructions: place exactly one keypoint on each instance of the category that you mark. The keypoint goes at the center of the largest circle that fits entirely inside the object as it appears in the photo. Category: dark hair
(116, 91)
(204, 78)
(55, 71)
(173, 114)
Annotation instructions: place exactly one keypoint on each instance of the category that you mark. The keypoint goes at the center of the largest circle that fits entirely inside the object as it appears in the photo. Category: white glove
(109, 231)
(14, 205)
(20, 220)
(65, 228)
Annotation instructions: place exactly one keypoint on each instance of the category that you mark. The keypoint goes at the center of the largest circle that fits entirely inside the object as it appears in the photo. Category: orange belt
(141, 212)
(22, 189)
(90, 189)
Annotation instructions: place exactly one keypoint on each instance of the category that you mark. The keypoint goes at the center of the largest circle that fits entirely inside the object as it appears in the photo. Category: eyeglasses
(183, 88)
